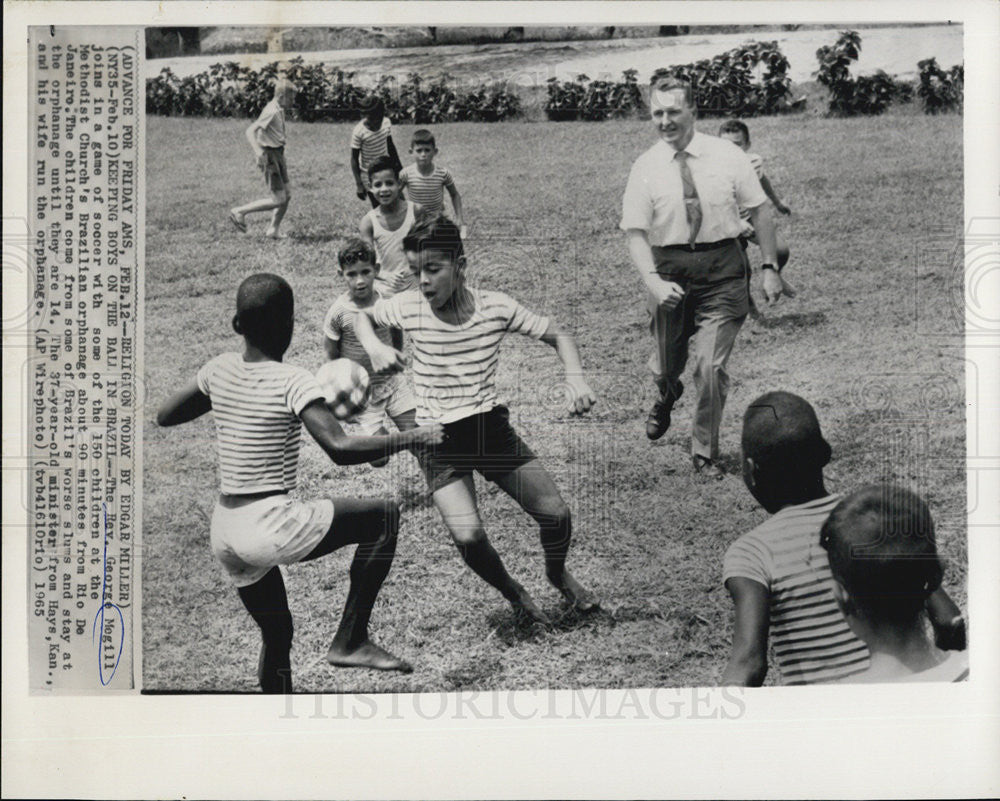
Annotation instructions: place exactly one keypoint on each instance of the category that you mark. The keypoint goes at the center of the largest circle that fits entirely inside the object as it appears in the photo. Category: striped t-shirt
(338, 325)
(454, 366)
(426, 190)
(372, 144)
(256, 406)
(810, 637)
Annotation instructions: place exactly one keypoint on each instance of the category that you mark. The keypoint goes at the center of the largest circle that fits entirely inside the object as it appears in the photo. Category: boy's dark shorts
(485, 442)
(275, 169)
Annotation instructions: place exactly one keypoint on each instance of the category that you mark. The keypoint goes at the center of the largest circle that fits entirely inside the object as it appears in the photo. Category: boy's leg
(456, 502)
(279, 212)
(267, 604)
(535, 491)
(373, 525)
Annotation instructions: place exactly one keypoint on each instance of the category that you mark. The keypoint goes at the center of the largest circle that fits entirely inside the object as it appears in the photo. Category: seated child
(885, 566)
(260, 404)
(390, 392)
(385, 226)
(425, 182)
(456, 333)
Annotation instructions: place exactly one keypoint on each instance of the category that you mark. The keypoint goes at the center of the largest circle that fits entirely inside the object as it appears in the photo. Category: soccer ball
(345, 386)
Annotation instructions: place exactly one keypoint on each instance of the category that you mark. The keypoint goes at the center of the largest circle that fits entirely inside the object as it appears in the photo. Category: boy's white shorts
(392, 398)
(276, 530)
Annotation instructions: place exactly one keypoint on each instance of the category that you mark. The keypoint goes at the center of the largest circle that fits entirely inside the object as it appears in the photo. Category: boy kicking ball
(260, 404)
(456, 333)
(266, 136)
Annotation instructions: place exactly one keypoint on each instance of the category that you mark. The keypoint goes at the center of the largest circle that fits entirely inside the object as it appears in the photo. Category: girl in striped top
(425, 182)
(259, 404)
(371, 139)
(456, 333)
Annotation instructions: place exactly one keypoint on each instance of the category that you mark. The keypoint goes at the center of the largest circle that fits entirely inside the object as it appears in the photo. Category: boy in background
(266, 136)
(371, 139)
(883, 556)
(425, 181)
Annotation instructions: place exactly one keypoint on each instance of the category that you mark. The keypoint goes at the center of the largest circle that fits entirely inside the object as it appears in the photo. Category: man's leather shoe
(659, 416)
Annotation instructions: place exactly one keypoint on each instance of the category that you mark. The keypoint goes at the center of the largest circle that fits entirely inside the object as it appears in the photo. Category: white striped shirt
(256, 406)
(372, 145)
(454, 366)
(426, 190)
(338, 325)
(810, 638)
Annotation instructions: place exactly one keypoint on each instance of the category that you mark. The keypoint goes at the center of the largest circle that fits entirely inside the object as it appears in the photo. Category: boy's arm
(747, 664)
(332, 348)
(391, 147)
(773, 196)
(384, 358)
(947, 621)
(356, 169)
(367, 232)
(456, 202)
(397, 338)
(345, 450)
(251, 135)
(581, 396)
(184, 406)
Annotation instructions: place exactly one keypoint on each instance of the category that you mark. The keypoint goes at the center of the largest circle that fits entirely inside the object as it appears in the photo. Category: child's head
(736, 132)
(883, 555)
(373, 111)
(265, 313)
(284, 92)
(436, 255)
(383, 175)
(358, 268)
(783, 448)
(423, 147)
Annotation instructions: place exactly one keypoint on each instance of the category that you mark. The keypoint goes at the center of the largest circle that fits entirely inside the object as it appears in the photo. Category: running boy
(778, 574)
(425, 182)
(259, 404)
(266, 136)
(456, 332)
(385, 226)
(371, 139)
(390, 393)
(885, 566)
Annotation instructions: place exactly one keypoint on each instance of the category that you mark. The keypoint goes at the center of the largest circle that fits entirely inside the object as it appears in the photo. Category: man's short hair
(435, 233)
(781, 433)
(422, 137)
(264, 307)
(665, 81)
(355, 249)
(383, 163)
(737, 127)
(882, 549)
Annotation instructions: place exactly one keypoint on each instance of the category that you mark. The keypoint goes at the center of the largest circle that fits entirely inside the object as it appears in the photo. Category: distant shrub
(864, 95)
(940, 91)
(594, 100)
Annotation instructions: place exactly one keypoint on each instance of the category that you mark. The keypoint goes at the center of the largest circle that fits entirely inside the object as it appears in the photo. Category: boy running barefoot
(425, 182)
(385, 227)
(371, 139)
(390, 393)
(456, 332)
(267, 138)
(259, 404)
(885, 566)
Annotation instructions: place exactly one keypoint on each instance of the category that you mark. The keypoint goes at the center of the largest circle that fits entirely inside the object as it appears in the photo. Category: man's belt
(700, 247)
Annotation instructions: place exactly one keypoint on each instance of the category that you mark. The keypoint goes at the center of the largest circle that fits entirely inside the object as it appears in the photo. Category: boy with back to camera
(778, 574)
(456, 333)
(260, 403)
(371, 139)
(885, 565)
(390, 394)
(385, 227)
(425, 182)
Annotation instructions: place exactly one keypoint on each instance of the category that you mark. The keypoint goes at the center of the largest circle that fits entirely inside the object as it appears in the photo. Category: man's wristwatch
(769, 266)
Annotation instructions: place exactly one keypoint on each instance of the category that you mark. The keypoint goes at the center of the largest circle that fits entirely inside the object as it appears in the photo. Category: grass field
(873, 340)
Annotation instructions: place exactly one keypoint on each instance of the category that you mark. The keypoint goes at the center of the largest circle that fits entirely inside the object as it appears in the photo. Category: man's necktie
(692, 204)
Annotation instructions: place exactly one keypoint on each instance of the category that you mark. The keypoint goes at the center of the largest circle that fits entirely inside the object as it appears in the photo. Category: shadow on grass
(792, 321)
(313, 237)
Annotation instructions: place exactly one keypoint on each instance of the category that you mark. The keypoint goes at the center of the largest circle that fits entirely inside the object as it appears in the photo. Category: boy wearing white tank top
(385, 226)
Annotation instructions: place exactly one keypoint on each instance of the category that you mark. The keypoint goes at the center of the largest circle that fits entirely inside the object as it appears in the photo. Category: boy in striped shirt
(778, 574)
(371, 139)
(260, 404)
(456, 333)
(425, 181)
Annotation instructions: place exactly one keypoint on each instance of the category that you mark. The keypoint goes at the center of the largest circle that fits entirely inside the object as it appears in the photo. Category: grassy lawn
(873, 340)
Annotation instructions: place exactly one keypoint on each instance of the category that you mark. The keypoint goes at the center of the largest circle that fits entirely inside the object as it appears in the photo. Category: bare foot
(366, 655)
(239, 221)
(525, 607)
(574, 593)
(272, 234)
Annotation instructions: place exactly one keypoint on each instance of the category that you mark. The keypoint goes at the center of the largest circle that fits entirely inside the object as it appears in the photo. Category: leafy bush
(747, 81)
(594, 100)
(939, 91)
(866, 94)
(326, 94)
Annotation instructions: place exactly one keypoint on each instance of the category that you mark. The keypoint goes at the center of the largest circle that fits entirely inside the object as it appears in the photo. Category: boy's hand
(362, 193)
(386, 359)
(261, 161)
(431, 434)
(462, 231)
(397, 281)
(581, 397)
